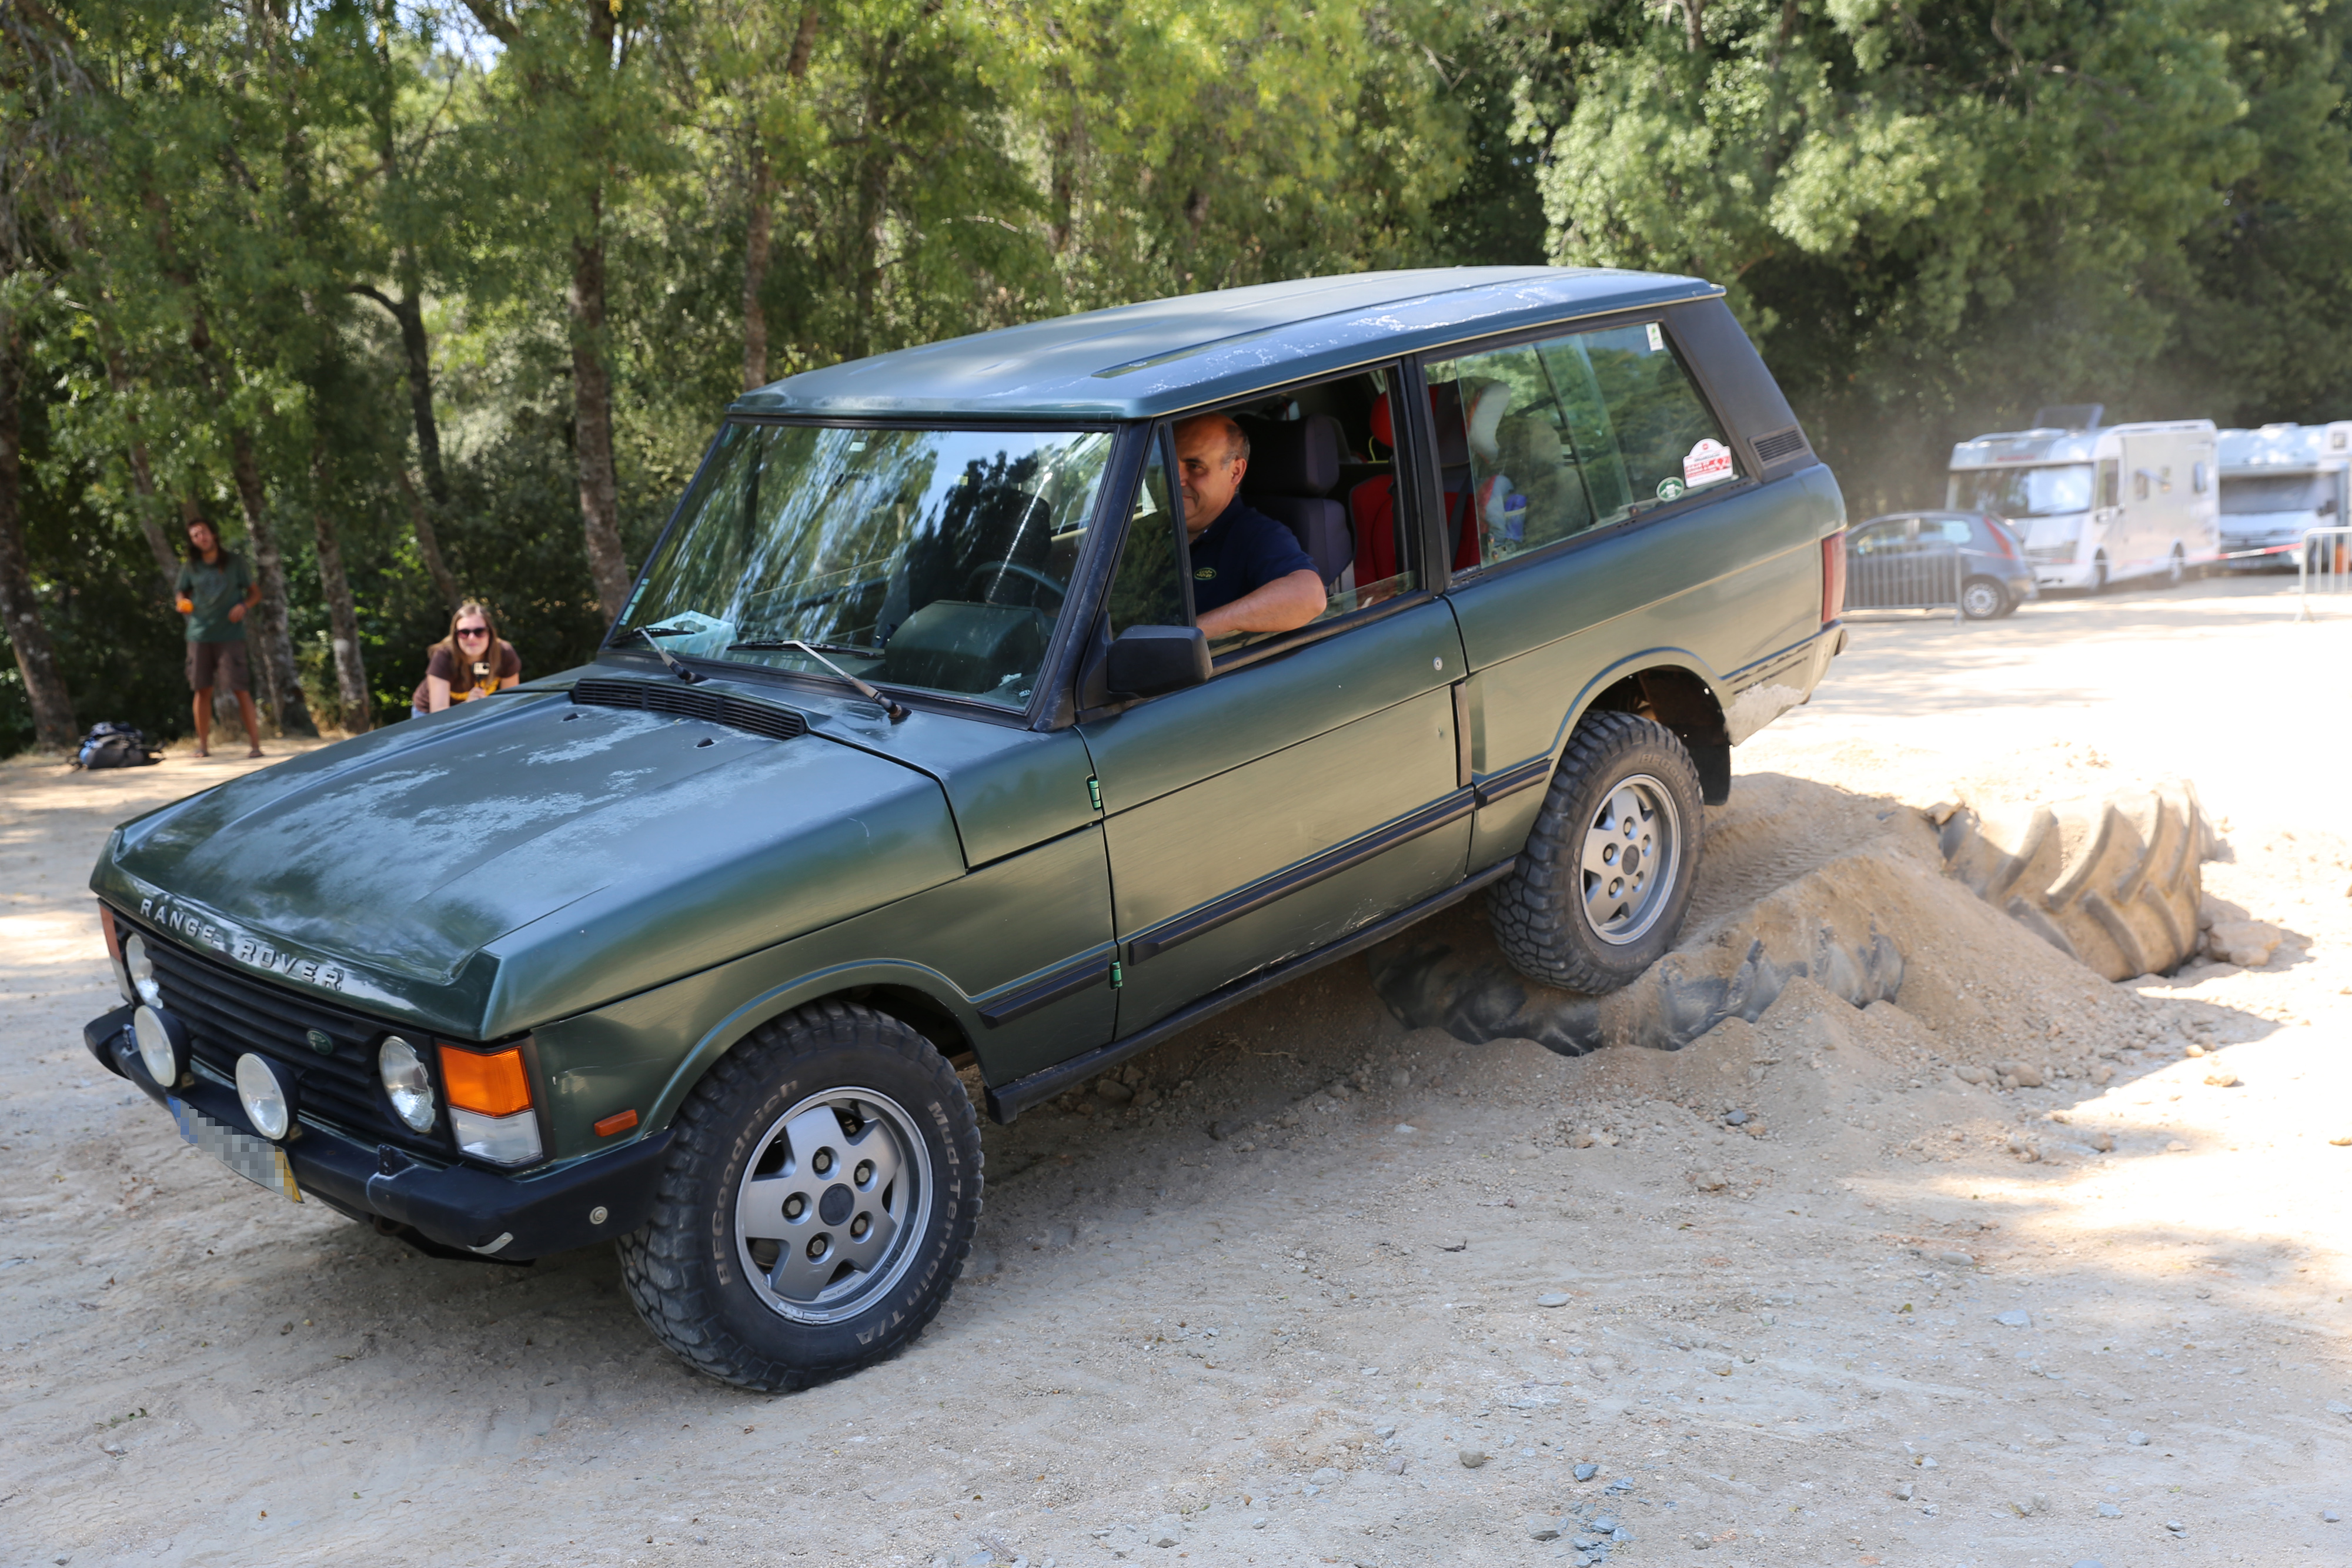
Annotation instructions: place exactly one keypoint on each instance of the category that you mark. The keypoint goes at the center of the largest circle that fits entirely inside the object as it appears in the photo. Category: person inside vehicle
(1249, 572)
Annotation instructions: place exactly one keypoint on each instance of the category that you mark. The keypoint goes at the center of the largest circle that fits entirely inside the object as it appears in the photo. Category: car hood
(484, 870)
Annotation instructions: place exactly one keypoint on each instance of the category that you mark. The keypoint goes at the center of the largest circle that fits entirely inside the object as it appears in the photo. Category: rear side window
(1542, 441)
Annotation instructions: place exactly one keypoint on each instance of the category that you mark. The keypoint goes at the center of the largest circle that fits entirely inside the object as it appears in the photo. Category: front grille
(683, 701)
(2051, 555)
(229, 1013)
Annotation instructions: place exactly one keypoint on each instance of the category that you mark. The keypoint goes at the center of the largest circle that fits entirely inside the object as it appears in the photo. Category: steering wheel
(998, 567)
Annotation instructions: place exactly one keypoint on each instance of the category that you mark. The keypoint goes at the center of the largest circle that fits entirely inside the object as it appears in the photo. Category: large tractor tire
(2113, 883)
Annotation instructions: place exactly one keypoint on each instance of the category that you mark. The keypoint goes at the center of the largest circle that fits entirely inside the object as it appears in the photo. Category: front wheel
(816, 1204)
(1603, 884)
(1982, 598)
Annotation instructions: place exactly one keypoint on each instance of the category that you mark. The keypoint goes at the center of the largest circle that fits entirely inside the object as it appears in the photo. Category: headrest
(1292, 456)
(1446, 407)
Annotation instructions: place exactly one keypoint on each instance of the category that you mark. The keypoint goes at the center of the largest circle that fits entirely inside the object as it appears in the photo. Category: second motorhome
(2279, 481)
(2095, 504)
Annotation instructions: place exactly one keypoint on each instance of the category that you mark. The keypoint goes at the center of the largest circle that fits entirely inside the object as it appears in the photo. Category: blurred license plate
(257, 1160)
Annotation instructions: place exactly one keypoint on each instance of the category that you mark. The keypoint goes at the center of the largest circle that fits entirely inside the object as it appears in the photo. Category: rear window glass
(1543, 441)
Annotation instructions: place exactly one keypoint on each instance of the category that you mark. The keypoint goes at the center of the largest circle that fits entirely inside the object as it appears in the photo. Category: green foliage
(1933, 218)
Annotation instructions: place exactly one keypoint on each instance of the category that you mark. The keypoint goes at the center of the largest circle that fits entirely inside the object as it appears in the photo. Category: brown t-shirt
(467, 686)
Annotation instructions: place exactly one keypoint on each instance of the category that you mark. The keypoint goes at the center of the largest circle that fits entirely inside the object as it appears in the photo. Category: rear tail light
(1833, 577)
(2000, 537)
(489, 1103)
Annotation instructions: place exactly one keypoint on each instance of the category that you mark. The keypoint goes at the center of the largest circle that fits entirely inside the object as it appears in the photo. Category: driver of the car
(1249, 572)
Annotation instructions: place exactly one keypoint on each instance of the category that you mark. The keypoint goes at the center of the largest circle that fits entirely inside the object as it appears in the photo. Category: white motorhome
(2096, 504)
(2278, 481)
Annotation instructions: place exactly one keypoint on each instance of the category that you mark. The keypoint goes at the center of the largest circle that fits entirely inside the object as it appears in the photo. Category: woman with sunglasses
(472, 662)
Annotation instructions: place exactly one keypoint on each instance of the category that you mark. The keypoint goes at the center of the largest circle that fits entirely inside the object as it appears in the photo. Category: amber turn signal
(620, 1122)
(493, 1083)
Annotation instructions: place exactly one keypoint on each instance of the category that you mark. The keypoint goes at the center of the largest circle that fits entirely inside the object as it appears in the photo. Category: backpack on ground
(114, 745)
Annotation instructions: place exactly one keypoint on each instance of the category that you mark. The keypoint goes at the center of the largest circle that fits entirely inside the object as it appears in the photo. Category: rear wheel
(1603, 884)
(817, 1202)
(1982, 598)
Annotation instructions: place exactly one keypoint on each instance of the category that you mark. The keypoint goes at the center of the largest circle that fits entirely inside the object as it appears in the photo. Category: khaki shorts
(212, 665)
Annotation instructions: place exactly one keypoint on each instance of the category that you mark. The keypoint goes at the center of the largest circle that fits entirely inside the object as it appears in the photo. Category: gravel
(1473, 1457)
(2109, 1511)
(1586, 1472)
(2015, 1318)
(1552, 1299)
(2136, 1439)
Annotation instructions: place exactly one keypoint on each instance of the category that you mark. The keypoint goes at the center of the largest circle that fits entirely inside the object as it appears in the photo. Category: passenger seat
(1292, 465)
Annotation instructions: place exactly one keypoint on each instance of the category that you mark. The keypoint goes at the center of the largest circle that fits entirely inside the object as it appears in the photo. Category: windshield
(2038, 492)
(930, 559)
(2258, 492)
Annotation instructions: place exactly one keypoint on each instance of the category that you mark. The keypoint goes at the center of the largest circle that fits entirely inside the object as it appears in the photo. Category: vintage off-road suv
(906, 752)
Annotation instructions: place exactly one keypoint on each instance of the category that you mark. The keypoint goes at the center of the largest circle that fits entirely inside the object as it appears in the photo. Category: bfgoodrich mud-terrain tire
(1605, 880)
(816, 1204)
(2113, 883)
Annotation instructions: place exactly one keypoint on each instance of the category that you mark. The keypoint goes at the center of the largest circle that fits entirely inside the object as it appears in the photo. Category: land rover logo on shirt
(320, 1041)
(1204, 574)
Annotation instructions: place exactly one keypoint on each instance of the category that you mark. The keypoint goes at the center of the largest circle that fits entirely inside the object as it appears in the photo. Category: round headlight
(266, 1091)
(141, 964)
(405, 1083)
(162, 1045)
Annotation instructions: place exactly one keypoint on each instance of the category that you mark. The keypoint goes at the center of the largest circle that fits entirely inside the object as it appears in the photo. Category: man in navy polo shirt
(1249, 572)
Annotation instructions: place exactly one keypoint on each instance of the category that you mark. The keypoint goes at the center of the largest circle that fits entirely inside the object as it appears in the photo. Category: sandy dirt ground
(1895, 1317)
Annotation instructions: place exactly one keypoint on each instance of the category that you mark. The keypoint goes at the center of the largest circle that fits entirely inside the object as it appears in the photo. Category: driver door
(1309, 787)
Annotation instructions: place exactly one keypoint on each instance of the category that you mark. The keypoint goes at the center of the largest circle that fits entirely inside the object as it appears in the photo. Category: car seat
(1293, 465)
(1371, 505)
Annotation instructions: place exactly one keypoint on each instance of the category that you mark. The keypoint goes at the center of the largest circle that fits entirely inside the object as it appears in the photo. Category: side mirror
(1145, 661)
(2326, 508)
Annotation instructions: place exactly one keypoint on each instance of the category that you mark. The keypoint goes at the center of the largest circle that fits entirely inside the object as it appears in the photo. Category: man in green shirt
(214, 591)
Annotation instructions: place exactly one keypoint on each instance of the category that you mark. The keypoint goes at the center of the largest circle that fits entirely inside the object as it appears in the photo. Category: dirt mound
(1802, 883)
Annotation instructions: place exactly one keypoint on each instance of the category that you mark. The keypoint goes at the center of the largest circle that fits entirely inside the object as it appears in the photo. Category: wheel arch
(924, 1000)
(1674, 688)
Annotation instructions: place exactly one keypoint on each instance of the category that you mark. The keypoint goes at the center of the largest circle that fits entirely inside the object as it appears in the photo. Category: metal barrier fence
(1912, 579)
(2324, 566)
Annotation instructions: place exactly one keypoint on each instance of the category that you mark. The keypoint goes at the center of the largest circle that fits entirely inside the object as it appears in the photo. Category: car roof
(1143, 361)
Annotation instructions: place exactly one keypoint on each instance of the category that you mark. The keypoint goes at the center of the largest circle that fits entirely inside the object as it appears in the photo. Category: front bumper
(454, 1208)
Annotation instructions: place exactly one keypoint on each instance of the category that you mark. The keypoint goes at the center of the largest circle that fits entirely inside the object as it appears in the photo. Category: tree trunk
(269, 636)
(428, 543)
(143, 479)
(351, 670)
(36, 660)
(410, 313)
(755, 265)
(592, 403)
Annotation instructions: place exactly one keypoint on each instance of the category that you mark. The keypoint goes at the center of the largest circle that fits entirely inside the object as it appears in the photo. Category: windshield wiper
(895, 709)
(771, 645)
(680, 671)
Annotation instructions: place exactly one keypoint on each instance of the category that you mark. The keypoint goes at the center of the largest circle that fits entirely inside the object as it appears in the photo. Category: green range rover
(912, 749)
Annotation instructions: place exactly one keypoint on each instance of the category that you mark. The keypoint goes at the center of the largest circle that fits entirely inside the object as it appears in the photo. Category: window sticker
(1670, 488)
(1708, 463)
(1657, 339)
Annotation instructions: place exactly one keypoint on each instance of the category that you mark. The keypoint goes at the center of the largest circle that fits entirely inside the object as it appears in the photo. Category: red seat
(1372, 505)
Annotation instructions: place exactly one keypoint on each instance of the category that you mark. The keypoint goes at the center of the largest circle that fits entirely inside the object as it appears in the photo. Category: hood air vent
(692, 702)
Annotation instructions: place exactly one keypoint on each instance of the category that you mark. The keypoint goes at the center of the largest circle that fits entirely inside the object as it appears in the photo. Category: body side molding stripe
(1511, 781)
(1047, 989)
(1331, 863)
(1007, 1100)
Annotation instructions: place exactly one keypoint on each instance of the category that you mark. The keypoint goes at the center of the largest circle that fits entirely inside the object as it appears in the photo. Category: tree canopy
(423, 300)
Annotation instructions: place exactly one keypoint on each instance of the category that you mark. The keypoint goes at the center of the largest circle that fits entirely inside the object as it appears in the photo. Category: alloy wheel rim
(833, 1206)
(1979, 602)
(1632, 856)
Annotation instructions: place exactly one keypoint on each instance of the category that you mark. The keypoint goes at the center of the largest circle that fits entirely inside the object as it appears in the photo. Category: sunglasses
(473, 630)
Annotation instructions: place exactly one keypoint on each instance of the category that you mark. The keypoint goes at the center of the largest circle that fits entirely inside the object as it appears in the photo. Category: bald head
(1211, 456)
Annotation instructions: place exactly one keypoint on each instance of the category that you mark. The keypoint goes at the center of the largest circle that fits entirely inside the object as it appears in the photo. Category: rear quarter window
(1540, 442)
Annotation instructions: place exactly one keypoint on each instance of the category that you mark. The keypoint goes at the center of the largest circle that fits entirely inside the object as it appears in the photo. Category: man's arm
(1289, 602)
(252, 598)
